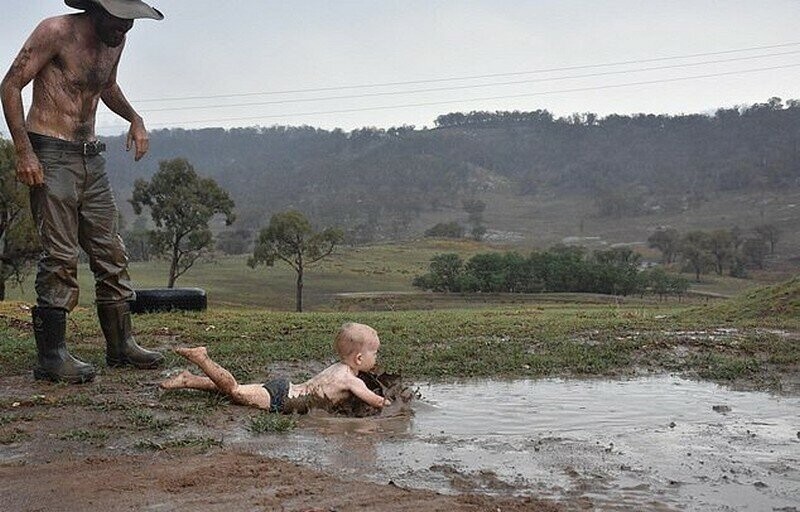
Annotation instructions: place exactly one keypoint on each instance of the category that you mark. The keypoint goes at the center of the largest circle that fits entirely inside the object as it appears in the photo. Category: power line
(470, 77)
(487, 98)
(462, 87)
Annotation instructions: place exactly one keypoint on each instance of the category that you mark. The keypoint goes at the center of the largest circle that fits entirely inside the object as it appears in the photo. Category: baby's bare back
(332, 384)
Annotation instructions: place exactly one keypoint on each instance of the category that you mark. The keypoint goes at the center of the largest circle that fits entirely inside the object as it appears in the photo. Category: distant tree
(721, 248)
(738, 266)
(19, 246)
(445, 230)
(291, 238)
(489, 271)
(616, 272)
(666, 240)
(770, 234)
(475, 209)
(444, 274)
(478, 232)
(695, 252)
(181, 205)
(754, 252)
(737, 237)
(663, 284)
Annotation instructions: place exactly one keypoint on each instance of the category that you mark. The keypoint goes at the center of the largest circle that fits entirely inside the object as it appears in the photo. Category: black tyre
(169, 299)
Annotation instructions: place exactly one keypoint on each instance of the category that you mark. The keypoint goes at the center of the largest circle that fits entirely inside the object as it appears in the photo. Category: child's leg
(221, 377)
(187, 380)
(252, 394)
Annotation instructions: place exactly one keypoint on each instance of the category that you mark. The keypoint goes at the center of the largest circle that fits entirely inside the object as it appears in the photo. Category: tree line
(375, 182)
(560, 269)
(734, 250)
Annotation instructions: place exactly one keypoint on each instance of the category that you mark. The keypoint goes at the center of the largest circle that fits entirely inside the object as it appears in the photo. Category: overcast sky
(240, 56)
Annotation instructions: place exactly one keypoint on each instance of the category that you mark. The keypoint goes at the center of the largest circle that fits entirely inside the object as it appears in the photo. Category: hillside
(779, 301)
(543, 179)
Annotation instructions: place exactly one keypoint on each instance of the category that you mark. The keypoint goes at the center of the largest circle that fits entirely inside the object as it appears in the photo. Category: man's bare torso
(68, 88)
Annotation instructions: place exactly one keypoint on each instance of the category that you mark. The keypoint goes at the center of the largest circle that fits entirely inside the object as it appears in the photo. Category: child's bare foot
(177, 382)
(192, 354)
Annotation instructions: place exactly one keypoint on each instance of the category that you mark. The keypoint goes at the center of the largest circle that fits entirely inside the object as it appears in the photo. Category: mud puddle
(659, 443)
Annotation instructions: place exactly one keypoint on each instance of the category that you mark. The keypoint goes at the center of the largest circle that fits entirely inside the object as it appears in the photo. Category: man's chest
(87, 71)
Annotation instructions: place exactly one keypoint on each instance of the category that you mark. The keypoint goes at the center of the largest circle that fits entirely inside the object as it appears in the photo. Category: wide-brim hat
(125, 9)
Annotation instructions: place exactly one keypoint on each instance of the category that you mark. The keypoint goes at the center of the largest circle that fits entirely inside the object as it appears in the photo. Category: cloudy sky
(353, 63)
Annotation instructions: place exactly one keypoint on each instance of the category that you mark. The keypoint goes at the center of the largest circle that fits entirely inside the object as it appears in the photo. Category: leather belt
(88, 148)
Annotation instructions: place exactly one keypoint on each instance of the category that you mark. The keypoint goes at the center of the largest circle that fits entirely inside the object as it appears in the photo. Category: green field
(368, 277)
(508, 341)
(229, 281)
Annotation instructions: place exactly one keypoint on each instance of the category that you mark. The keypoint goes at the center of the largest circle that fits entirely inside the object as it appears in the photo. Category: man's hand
(29, 170)
(137, 136)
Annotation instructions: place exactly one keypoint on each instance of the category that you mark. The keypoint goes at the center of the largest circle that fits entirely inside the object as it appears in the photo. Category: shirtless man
(72, 61)
(356, 345)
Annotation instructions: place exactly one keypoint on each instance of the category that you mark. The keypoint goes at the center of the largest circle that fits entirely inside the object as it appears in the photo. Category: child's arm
(360, 389)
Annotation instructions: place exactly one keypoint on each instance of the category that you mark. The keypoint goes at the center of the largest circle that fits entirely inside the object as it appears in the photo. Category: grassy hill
(764, 305)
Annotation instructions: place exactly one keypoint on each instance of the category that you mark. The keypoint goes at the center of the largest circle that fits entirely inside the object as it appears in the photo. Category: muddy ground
(111, 445)
(120, 443)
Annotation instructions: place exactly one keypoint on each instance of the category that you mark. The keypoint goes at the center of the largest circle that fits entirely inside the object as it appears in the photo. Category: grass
(230, 282)
(270, 422)
(144, 420)
(763, 305)
(513, 340)
(737, 341)
(14, 436)
(200, 443)
(353, 278)
(84, 435)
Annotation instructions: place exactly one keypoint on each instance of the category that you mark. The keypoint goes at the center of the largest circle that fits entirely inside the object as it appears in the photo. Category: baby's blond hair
(352, 337)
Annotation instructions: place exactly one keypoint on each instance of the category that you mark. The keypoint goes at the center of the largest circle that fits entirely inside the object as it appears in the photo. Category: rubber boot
(121, 348)
(55, 363)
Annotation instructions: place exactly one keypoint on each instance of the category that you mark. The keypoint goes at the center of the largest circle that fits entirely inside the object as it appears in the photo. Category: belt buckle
(93, 148)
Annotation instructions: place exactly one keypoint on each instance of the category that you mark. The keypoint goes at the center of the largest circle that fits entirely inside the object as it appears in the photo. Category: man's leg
(99, 237)
(54, 209)
(253, 395)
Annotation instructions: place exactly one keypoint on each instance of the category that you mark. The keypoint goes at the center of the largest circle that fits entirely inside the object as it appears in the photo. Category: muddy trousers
(75, 208)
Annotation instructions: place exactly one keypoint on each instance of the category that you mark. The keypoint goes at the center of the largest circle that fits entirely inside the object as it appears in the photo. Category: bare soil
(111, 445)
(220, 480)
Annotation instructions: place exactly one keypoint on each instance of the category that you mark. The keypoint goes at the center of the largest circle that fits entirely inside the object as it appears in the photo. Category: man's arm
(114, 99)
(37, 51)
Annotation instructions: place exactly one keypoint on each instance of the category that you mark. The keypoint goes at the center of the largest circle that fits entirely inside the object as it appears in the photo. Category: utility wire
(462, 87)
(470, 77)
(487, 98)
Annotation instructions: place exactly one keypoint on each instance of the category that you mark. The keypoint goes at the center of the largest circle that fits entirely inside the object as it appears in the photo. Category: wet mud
(659, 443)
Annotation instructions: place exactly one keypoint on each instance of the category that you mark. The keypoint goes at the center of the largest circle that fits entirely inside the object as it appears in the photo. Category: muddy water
(658, 443)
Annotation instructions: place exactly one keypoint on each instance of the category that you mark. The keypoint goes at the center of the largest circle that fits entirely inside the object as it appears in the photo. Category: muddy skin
(383, 384)
(85, 49)
(110, 29)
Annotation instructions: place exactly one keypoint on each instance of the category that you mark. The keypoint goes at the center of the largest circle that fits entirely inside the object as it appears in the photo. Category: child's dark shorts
(278, 390)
